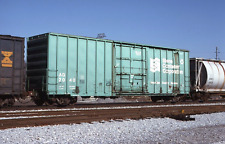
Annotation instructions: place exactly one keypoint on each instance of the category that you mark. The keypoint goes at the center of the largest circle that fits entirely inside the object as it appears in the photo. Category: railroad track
(31, 105)
(39, 116)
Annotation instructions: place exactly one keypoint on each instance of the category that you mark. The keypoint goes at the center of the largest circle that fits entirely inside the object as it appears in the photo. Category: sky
(194, 25)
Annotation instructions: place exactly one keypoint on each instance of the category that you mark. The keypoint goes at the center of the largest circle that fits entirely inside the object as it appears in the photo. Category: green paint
(101, 67)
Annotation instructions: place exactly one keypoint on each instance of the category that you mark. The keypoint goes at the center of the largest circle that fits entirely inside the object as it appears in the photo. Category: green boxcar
(68, 65)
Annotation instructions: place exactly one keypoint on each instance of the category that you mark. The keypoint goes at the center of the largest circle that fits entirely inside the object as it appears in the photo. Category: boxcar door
(176, 83)
(129, 69)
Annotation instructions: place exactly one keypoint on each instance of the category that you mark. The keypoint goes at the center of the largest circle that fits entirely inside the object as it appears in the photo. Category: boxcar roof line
(11, 37)
(114, 41)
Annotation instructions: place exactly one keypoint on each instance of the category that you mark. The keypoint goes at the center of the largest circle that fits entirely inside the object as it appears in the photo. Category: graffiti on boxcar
(6, 62)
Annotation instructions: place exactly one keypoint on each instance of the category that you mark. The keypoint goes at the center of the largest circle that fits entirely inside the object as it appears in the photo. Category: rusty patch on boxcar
(77, 90)
(3, 81)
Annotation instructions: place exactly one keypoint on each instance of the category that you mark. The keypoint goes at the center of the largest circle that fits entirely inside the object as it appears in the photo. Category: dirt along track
(40, 116)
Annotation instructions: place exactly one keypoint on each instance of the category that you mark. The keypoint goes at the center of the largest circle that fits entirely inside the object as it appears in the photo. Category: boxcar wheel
(1, 102)
(73, 100)
(11, 102)
(195, 96)
(38, 102)
(49, 102)
(63, 101)
(154, 98)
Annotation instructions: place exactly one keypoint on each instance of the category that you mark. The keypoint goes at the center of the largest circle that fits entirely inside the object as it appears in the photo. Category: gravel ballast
(207, 128)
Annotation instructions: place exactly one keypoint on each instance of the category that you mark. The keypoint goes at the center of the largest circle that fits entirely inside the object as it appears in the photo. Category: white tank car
(207, 76)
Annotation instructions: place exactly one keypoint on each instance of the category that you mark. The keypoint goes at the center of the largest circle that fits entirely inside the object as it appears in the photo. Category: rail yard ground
(120, 117)
(207, 128)
(100, 110)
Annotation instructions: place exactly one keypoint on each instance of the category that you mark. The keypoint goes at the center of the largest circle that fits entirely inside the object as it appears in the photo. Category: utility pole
(217, 52)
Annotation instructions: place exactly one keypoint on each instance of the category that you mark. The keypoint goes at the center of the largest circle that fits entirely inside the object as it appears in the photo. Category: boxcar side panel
(170, 79)
(100, 68)
(11, 65)
(168, 72)
(93, 67)
(154, 68)
(129, 68)
(6, 69)
(164, 76)
(182, 72)
(108, 68)
(79, 66)
(187, 73)
(72, 59)
(82, 66)
(62, 62)
(52, 65)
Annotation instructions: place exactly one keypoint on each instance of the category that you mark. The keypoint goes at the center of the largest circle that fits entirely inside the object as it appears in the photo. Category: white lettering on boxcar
(72, 83)
(170, 71)
(72, 80)
(61, 87)
(181, 61)
(82, 77)
(62, 77)
(138, 53)
(167, 61)
(155, 82)
(155, 65)
(174, 83)
(62, 74)
(165, 83)
(167, 66)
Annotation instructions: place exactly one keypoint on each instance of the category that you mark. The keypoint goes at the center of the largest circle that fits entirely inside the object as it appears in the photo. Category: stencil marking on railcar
(6, 62)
